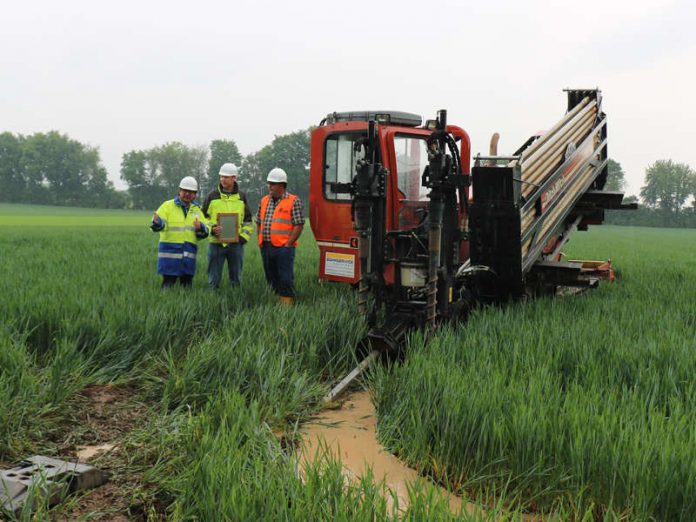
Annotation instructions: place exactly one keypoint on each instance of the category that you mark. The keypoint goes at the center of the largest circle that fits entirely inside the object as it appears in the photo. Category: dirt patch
(350, 434)
(103, 503)
(108, 412)
(103, 417)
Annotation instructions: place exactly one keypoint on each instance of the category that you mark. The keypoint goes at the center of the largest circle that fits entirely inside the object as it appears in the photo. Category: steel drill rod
(569, 115)
(540, 180)
(556, 148)
(551, 220)
(525, 248)
(348, 379)
(557, 135)
(573, 190)
(527, 218)
(530, 215)
(542, 172)
(570, 190)
(580, 107)
(576, 184)
(533, 172)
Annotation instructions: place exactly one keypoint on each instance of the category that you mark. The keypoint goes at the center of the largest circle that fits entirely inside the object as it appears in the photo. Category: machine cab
(402, 150)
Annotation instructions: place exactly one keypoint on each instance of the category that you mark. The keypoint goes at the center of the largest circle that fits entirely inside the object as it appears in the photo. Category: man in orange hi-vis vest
(279, 223)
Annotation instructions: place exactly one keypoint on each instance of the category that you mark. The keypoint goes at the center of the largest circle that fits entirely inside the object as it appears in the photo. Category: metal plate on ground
(53, 477)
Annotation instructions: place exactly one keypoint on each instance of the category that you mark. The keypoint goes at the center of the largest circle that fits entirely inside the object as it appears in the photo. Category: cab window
(411, 155)
(339, 162)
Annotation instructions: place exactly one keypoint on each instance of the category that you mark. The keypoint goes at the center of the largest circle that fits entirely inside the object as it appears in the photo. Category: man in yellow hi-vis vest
(280, 223)
(227, 198)
(180, 223)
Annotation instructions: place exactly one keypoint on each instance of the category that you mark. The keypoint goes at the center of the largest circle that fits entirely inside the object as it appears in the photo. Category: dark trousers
(217, 255)
(170, 280)
(279, 265)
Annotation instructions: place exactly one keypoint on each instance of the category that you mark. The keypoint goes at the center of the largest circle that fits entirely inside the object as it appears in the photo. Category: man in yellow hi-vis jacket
(180, 223)
(227, 198)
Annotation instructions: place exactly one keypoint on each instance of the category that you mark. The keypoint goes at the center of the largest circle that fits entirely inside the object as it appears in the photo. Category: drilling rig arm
(524, 211)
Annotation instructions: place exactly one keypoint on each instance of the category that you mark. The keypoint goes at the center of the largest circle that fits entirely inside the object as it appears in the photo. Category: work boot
(287, 301)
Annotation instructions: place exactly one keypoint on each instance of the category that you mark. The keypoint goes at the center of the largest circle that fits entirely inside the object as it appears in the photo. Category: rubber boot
(287, 301)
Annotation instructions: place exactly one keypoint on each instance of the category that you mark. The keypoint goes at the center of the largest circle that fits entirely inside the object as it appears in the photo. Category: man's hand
(217, 229)
(156, 219)
(197, 224)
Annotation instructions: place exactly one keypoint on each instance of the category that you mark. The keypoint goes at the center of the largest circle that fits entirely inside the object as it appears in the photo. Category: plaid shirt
(296, 215)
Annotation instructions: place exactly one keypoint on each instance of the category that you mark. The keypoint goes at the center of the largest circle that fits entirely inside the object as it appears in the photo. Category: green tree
(145, 186)
(12, 177)
(289, 152)
(253, 180)
(52, 168)
(668, 186)
(61, 171)
(616, 180)
(222, 151)
(54, 162)
(176, 160)
(153, 175)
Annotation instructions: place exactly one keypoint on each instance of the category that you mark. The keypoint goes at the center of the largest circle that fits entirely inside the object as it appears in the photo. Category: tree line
(667, 197)
(53, 169)
(153, 174)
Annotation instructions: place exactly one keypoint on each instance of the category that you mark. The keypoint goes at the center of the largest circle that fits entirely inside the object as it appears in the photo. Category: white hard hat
(277, 175)
(229, 169)
(189, 183)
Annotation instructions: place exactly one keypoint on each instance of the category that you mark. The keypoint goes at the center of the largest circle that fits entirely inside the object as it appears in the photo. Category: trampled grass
(82, 304)
(579, 405)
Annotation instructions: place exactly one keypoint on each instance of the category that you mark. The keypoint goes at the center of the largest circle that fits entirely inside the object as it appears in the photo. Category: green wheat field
(580, 407)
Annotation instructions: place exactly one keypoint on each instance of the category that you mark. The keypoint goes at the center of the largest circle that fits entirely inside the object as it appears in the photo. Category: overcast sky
(132, 75)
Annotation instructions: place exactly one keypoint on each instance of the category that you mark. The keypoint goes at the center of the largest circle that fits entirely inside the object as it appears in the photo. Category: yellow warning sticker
(342, 265)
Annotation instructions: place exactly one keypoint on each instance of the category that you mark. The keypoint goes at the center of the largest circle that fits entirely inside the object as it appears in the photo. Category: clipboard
(229, 227)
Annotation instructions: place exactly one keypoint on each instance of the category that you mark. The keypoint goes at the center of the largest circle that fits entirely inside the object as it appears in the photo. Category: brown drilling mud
(349, 433)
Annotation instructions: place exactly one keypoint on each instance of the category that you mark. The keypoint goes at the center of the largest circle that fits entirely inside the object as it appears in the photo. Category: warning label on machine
(342, 265)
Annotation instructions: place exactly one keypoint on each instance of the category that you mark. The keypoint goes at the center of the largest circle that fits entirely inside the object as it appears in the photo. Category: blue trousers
(217, 254)
(279, 266)
(168, 281)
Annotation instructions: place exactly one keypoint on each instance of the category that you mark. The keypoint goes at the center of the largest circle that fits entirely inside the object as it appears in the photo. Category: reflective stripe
(189, 254)
(334, 244)
(187, 228)
(282, 232)
(170, 256)
(281, 220)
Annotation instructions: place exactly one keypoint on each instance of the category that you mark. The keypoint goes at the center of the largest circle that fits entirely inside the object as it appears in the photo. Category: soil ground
(103, 421)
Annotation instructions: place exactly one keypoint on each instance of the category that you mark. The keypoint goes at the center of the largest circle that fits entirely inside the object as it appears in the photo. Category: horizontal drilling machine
(397, 211)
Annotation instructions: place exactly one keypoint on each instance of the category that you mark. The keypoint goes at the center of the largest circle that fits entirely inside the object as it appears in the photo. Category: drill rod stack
(557, 169)
(522, 210)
